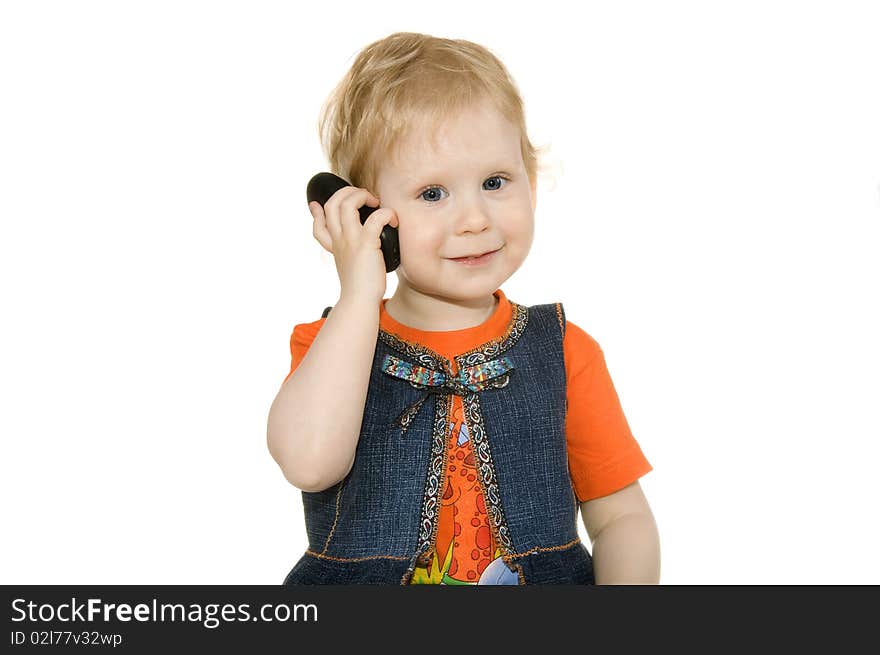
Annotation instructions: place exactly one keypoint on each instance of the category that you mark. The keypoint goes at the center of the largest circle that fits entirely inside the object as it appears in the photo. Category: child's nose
(474, 217)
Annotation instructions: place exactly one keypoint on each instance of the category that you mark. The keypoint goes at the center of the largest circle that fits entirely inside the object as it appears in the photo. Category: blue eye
(433, 190)
(498, 177)
(430, 190)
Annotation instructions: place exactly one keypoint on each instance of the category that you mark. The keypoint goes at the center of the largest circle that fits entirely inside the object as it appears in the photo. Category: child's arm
(315, 420)
(626, 545)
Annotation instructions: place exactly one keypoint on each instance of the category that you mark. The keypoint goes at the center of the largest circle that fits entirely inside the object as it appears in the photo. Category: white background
(711, 218)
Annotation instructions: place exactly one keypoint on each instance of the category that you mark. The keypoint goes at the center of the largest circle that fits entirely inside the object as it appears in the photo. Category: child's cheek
(412, 235)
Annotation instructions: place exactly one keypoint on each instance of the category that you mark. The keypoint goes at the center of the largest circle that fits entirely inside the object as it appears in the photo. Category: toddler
(448, 435)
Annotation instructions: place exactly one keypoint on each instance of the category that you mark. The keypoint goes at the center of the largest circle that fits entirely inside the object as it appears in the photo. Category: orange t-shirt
(603, 455)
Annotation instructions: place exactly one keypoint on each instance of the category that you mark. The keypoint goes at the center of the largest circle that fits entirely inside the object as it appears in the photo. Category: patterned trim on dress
(428, 523)
(473, 416)
(494, 374)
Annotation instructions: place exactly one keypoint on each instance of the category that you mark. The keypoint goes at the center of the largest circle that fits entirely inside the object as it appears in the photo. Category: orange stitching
(353, 559)
(333, 529)
(521, 574)
(559, 316)
(536, 549)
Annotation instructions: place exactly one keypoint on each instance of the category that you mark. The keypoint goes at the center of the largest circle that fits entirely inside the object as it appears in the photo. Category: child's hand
(355, 247)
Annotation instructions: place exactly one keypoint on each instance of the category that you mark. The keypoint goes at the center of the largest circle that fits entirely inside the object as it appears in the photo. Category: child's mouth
(476, 261)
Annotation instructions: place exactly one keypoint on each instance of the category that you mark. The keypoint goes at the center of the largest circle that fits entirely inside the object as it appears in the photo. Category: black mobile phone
(323, 185)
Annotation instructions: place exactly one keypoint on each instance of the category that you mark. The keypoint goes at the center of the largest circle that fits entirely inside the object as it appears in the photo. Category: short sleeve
(300, 339)
(603, 455)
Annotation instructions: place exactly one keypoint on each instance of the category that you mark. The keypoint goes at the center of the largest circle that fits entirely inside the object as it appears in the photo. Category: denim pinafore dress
(378, 523)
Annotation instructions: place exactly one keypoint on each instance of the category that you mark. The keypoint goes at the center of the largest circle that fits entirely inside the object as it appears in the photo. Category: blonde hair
(407, 81)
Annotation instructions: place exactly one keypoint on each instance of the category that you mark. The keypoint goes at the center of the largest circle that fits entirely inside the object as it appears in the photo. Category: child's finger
(319, 226)
(377, 221)
(349, 211)
(330, 214)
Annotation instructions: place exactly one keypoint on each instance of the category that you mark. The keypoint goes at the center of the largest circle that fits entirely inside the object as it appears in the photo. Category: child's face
(453, 202)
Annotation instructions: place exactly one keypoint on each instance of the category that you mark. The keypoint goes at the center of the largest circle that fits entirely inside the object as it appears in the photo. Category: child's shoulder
(305, 333)
(573, 334)
(578, 344)
(576, 333)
